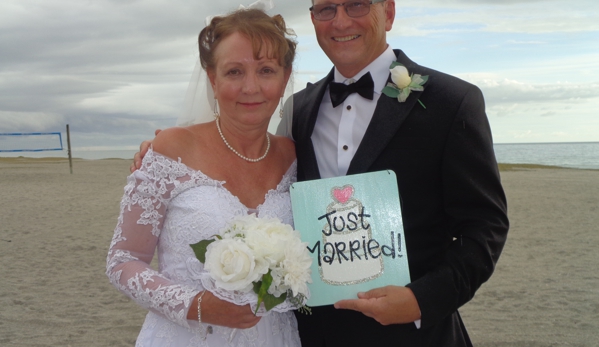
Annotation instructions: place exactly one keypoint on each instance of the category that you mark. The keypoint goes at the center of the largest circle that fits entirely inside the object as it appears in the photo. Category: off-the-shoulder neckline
(151, 153)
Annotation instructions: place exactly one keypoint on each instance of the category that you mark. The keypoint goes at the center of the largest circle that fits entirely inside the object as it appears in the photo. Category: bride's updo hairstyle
(261, 29)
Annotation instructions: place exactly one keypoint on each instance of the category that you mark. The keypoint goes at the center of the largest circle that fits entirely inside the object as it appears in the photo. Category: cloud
(548, 114)
(516, 42)
(31, 121)
(137, 99)
(427, 17)
(29, 91)
(116, 70)
(499, 91)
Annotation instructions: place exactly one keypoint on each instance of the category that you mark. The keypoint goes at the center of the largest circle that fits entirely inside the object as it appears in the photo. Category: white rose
(268, 240)
(265, 247)
(400, 76)
(233, 266)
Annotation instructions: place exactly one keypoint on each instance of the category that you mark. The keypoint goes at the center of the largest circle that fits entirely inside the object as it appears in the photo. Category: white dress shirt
(339, 130)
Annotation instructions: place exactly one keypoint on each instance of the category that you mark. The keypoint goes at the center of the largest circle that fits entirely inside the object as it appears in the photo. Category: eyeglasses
(353, 9)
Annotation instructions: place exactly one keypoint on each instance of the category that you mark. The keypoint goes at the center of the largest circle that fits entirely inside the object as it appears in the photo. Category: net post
(69, 149)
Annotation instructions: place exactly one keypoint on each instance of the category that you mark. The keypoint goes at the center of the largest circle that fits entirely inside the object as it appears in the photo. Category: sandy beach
(55, 228)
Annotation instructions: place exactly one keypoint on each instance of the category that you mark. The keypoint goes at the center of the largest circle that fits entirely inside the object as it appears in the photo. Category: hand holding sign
(387, 305)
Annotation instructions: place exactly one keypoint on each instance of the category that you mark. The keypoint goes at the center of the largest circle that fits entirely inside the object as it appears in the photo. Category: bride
(195, 179)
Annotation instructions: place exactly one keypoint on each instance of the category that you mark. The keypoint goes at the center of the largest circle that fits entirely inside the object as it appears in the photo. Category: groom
(453, 205)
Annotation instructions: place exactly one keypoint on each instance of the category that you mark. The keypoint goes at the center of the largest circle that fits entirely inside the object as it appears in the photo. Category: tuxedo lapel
(388, 116)
(305, 112)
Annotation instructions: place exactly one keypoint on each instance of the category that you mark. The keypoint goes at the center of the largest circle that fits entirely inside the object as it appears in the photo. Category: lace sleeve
(136, 235)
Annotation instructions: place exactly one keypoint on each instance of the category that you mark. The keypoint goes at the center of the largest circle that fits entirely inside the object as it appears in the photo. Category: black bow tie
(339, 91)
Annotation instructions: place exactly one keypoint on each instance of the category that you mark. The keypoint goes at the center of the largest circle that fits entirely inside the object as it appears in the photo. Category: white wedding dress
(166, 207)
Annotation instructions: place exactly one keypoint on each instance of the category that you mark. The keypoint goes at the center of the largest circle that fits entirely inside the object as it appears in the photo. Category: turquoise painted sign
(354, 229)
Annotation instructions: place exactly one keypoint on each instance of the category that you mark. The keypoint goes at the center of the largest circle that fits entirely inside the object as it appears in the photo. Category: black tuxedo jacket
(453, 205)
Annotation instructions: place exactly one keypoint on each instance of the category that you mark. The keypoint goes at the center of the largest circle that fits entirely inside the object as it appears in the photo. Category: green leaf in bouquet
(200, 249)
(261, 288)
(271, 301)
(257, 286)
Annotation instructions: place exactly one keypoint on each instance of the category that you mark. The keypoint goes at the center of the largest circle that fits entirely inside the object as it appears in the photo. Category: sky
(116, 70)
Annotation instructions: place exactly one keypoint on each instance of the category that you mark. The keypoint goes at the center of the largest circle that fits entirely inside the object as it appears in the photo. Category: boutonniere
(403, 83)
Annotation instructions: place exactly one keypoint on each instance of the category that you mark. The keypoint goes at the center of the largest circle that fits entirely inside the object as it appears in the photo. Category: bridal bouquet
(259, 254)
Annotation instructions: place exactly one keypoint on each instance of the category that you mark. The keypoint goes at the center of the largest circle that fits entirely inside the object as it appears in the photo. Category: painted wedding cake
(348, 256)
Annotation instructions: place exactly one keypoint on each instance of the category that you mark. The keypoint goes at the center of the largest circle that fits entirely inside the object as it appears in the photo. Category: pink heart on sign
(343, 194)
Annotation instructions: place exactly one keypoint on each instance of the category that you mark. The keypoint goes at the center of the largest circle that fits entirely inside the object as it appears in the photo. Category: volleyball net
(30, 142)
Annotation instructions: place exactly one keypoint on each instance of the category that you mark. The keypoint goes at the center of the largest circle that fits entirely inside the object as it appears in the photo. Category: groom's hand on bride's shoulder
(387, 305)
(139, 156)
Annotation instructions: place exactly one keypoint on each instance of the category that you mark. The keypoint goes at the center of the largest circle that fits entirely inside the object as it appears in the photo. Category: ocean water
(82, 154)
(579, 155)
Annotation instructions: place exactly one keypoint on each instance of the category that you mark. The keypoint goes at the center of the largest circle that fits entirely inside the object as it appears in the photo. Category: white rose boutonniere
(261, 255)
(403, 83)
(400, 76)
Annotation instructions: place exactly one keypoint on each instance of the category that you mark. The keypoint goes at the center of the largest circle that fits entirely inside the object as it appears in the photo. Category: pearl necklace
(239, 154)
